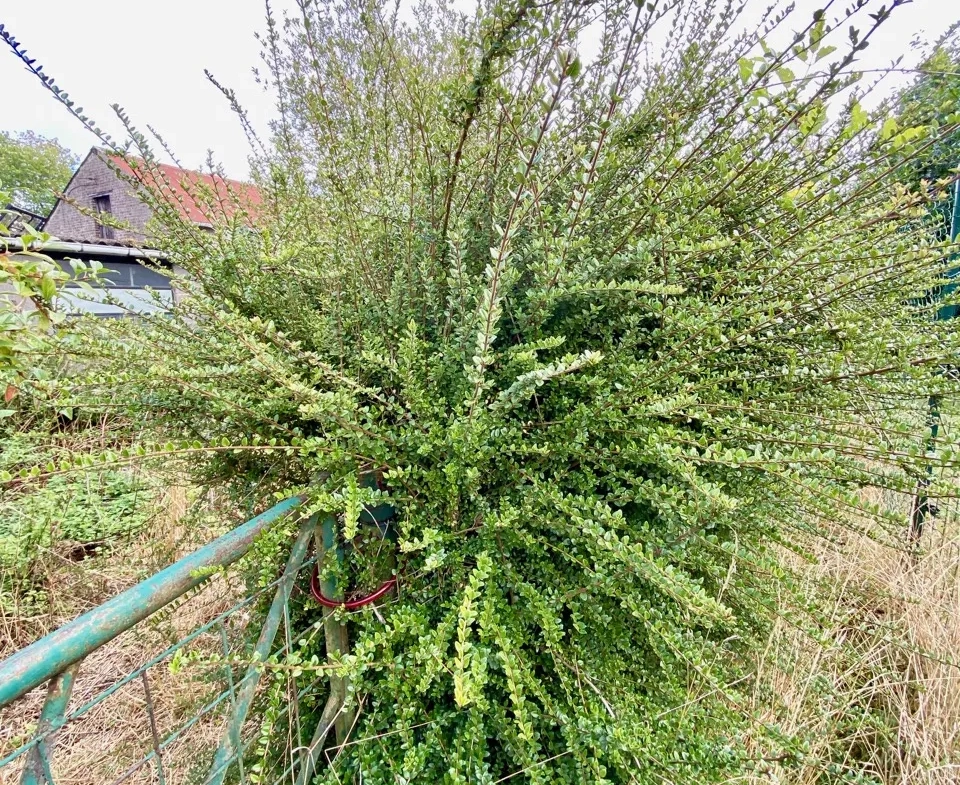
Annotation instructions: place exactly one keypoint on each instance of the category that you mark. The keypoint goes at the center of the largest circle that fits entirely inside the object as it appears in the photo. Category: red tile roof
(182, 188)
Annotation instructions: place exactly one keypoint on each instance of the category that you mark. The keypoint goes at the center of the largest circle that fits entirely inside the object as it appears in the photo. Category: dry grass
(73, 586)
(115, 735)
(876, 696)
(107, 741)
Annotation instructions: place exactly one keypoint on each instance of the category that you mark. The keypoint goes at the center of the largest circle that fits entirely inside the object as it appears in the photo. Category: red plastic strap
(352, 605)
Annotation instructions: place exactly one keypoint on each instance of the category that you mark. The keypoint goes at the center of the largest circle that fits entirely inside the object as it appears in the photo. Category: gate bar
(56, 652)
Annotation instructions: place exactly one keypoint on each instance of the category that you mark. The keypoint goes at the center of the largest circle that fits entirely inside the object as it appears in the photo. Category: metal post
(230, 745)
(337, 643)
(37, 768)
(922, 508)
(955, 219)
(335, 633)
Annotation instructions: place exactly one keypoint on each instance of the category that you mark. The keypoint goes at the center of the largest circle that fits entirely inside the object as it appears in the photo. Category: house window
(124, 275)
(102, 205)
(124, 288)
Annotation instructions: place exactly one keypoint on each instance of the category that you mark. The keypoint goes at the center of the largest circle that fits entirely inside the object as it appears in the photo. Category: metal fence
(236, 667)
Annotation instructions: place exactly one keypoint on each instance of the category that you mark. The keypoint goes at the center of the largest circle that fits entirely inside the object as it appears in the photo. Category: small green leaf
(48, 288)
(786, 75)
(825, 51)
(859, 119)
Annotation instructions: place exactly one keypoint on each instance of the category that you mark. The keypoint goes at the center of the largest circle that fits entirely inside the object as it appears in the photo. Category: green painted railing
(57, 661)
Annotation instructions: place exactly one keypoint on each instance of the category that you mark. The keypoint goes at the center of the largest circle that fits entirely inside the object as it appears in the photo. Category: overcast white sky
(149, 57)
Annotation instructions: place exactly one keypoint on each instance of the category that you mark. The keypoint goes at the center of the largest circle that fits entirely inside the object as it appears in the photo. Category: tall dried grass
(874, 692)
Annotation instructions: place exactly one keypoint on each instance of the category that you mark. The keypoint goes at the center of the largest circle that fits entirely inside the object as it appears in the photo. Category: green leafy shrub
(609, 329)
(932, 102)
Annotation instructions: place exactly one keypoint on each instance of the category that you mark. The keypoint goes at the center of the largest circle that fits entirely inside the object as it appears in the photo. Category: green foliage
(29, 283)
(610, 330)
(32, 281)
(33, 169)
(932, 104)
(86, 513)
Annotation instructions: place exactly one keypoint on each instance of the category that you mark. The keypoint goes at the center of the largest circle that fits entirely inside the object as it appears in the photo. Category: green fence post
(37, 768)
(955, 219)
(230, 745)
(337, 644)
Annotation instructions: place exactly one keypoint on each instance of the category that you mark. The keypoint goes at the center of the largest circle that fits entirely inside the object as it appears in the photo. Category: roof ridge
(184, 185)
(174, 167)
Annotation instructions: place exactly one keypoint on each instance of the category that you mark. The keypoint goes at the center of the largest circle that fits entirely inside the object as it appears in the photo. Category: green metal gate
(57, 662)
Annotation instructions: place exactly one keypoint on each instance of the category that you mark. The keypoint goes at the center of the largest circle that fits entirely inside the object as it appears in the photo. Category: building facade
(96, 187)
(135, 277)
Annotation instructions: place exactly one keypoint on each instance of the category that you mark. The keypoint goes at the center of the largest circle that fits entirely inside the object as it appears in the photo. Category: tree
(932, 102)
(607, 332)
(33, 169)
(29, 281)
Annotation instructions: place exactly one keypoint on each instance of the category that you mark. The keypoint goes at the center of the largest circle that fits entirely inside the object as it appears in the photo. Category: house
(96, 189)
(134, 278)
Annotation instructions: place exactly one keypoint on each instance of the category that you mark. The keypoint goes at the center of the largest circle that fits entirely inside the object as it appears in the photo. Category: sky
(149, 56)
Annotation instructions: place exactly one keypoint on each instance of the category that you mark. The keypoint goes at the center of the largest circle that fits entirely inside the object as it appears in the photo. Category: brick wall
(95, 178)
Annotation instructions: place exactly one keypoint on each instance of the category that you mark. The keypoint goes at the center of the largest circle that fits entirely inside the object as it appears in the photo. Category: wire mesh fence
(173, 698)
